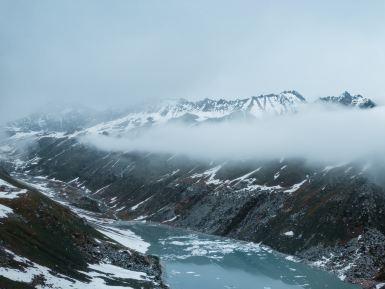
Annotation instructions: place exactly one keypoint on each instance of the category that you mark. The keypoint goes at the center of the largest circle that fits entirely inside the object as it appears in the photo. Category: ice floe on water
(196, 245)
(194, 260)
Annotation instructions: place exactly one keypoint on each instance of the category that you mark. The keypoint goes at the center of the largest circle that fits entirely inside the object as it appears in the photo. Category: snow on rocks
(115, 271)
(11, 194)
(246, 176)
(99, 273)
(209, 175)
(295, 187)
(133, 208)
(292, 259)
(289, 234)
(126, 238)
(5, 211)
(4, 183)
(171, 220)
(8, 191)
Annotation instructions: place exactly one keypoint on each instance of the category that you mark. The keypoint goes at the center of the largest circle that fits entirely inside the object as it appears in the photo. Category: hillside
(45, 245)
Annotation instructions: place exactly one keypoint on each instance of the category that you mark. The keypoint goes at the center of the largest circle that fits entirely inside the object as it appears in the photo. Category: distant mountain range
(349, 100)
(330, 215)
(79, 121)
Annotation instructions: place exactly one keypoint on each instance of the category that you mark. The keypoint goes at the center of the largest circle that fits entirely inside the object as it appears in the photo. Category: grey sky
(121, 52)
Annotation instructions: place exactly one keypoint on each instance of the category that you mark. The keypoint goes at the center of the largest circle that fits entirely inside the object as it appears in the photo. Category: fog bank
(331, 135)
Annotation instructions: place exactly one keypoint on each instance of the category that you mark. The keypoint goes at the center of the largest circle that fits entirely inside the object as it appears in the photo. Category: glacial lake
(198, 261)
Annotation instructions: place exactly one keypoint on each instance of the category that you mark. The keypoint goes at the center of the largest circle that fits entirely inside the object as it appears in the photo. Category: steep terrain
(45, 245)
(328, 214)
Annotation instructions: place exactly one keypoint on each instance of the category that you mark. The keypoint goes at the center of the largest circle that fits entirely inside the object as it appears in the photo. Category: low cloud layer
(337, 135)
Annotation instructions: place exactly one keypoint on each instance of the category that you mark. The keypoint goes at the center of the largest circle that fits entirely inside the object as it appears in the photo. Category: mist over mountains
(260, 128)
(317, 134)
(332, 129)
(161, 144)
(305, 178)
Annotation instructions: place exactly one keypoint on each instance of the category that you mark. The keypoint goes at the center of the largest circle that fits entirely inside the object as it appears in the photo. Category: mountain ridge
(80, 121)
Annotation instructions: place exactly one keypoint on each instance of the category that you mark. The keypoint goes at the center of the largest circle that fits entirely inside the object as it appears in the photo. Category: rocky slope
(328, 214)
(45, 245)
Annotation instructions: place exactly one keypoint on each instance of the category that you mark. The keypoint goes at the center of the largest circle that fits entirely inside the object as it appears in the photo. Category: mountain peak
(347, 99)
(295, 93)
(345, 94)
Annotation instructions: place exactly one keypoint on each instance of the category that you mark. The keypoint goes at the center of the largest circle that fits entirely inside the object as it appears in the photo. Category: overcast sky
(113, 53)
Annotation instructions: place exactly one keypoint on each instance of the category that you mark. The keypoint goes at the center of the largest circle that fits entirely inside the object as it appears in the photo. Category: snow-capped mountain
(80, 121)
(210, 110)
(287, 101)
(347, 99)
(204, 111)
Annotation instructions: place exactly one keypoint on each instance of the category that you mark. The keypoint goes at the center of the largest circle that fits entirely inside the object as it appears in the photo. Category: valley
(327, 215)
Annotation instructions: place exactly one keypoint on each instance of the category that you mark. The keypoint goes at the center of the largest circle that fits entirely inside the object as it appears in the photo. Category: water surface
(197, 261)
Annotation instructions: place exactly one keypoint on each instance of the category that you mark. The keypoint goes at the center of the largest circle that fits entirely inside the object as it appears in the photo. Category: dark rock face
(359, 256)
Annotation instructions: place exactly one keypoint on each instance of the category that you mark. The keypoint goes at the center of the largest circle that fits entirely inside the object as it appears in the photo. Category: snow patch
(133, 208)
(172, 219)
(292, 259)
(246, 176)
(12, 195)
(295, 187)
(116, 272)
(210, 174)
(289, 234)
(5, 211)
(4, 183)
(126, 238)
